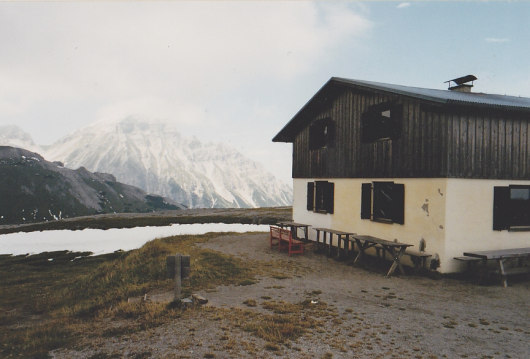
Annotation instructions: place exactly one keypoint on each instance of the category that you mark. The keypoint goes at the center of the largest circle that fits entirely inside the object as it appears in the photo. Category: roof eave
(283, 135)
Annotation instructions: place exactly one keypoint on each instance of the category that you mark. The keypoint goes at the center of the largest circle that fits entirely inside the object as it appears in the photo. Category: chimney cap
(461, 82)
(463, 79)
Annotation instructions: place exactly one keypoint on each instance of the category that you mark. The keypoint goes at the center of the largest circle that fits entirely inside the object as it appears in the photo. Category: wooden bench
(418, 258)
(286, 241)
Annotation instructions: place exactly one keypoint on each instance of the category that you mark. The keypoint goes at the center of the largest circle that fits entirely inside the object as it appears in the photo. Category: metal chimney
(461, 83)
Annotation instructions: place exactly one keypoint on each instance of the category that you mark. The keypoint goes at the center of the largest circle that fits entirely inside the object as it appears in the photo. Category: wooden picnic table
(294, 229)
(396, 250)
(500, 256)
(343, 237)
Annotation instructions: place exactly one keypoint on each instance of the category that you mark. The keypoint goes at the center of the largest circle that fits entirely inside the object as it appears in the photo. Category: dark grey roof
(445, 96)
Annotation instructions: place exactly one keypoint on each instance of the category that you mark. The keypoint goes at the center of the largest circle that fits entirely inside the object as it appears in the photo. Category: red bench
(284, 239)
(275, 236)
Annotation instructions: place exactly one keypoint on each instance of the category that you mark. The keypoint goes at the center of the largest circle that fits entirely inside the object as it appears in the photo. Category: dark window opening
(383, 202)
(511, 207)
(322, 134)
(381, 122)
(320, 196)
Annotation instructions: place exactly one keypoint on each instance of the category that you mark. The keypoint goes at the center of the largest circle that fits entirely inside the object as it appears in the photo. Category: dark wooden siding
(435, 141)
(488, 146)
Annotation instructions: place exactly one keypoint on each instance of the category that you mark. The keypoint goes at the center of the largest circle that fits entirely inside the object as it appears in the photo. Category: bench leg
(418, 263)
(330, 244)
(503, 273)
(483, 271)
(338, 246)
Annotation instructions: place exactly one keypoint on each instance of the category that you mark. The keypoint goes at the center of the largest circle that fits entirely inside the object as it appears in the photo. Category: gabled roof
(473, 99)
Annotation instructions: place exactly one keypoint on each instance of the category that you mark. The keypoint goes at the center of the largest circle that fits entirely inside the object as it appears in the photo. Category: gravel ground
(363, 315)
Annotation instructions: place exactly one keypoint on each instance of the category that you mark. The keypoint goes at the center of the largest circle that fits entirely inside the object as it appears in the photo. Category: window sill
(382, 220)
(519, 229)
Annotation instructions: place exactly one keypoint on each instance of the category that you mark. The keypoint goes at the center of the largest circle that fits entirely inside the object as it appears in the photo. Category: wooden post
(178, 276)
(178, 268)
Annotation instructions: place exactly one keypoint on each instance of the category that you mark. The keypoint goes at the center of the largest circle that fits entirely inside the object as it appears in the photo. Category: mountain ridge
(154, 156)
(33, 189)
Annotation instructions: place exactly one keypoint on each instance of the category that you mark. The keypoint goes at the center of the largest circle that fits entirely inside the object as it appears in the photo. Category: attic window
(511, 208)
(322, 134)
(381, 122)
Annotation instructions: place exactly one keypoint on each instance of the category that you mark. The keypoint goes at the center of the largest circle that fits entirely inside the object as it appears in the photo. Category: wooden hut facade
(447, 170)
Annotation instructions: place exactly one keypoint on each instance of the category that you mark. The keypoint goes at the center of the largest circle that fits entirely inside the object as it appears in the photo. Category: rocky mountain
(33, 189)
(155, 157)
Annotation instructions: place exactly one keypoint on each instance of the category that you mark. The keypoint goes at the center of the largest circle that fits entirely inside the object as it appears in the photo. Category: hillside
(33, 189)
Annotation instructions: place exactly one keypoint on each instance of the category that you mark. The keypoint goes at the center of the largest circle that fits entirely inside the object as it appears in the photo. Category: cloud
(221, 71)
(113, 54)
(403, 5)
(496, 39)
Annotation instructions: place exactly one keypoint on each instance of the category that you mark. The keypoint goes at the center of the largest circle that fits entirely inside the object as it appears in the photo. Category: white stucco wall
(451, 215)
(470, 220)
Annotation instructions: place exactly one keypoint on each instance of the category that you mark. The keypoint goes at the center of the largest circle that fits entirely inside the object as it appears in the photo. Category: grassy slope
(47, 304)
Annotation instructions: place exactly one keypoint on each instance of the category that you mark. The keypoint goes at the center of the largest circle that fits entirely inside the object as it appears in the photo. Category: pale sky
(237, 72)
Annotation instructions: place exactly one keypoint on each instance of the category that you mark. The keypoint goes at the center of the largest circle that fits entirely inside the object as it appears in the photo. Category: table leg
(503, 273)
(397, 260)
(361, 248)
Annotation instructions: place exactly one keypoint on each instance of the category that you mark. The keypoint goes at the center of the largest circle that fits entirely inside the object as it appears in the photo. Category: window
(383, 202)
(320, 196)
(322, 134)
(511, 207)
(381, 122)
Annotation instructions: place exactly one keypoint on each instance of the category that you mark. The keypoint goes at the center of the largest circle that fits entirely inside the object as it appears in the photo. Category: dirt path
(362, 315)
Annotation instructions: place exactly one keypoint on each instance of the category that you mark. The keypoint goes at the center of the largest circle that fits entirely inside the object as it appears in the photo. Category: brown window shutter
(398, 202)
(330, 197)
(310, 196)
(366, 201)
(501, 198)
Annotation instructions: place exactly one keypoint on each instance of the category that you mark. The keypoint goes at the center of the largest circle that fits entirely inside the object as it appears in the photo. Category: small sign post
(178, 268)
